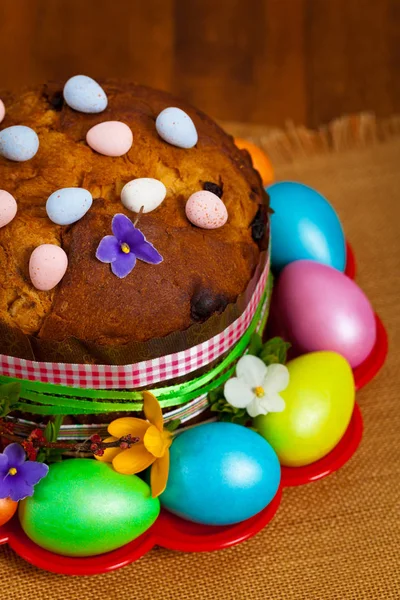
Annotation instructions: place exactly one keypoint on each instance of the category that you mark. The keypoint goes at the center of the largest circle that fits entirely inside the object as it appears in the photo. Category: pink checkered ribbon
(141, 374)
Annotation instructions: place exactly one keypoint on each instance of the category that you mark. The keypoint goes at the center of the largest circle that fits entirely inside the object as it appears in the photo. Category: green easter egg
(319, 404)
(83, 508)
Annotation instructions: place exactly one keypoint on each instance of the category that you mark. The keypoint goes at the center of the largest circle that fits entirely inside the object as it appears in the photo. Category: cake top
(184, 271)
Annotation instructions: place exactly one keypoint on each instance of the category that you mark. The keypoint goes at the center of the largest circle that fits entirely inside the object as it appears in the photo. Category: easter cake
(203, 269)
(130, 230)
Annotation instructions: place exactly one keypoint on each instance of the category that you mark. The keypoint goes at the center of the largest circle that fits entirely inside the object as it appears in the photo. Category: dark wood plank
(259, 61)
(349, 45)
(242, 60)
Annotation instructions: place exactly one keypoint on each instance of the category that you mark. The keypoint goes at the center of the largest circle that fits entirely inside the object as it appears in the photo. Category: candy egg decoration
(304, 226)
(85, 95)
(206, 210)
(220, 474)
(68, 205)
(2, 110)
(84, 508)
(8, 208)
(18, 143)
(317, 307)
(176, 127)
(47, 266)
(111, 138)
(143, 192)
(319, 405)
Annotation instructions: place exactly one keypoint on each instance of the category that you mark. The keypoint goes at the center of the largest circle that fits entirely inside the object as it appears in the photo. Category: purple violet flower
(125, 246)
(18, 477)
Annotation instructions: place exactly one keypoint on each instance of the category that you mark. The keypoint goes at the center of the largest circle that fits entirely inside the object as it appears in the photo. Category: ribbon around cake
(52, 399)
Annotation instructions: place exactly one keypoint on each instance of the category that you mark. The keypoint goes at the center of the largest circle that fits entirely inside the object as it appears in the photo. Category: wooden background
(261, 61)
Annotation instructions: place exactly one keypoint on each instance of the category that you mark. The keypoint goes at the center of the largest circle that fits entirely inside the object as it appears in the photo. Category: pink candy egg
(47, 266)
(320, 308)
(206, 210)
(8, 208)
(2, 110)
(111, 138)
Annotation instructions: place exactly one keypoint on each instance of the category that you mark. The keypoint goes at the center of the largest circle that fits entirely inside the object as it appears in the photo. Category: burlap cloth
(338, 538)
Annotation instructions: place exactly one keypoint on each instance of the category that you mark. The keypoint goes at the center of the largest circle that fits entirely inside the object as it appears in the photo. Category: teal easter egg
(304, 226)
(18, 143)
(220, 474)
(83, 508)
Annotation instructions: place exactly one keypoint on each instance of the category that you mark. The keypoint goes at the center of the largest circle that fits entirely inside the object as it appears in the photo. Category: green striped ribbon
(53, 399)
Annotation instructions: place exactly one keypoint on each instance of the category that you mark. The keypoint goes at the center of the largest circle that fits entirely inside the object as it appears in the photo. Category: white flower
(256, 387)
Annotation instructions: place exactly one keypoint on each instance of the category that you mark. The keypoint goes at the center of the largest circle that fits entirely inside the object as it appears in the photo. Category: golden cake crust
(203, 270)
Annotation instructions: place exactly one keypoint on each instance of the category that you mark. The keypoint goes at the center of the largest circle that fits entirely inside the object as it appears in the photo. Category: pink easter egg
(111, 138)
(2, 110)
(206, 210)
(320, 308)
(47, 266)
(8, 208)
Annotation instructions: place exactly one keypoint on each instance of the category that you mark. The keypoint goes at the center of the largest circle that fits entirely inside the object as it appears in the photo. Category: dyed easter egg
(18, 143)
(2, 110)
(304, 225)
(7, 510)
(206, 210)
(8, 208)
(68, 205)
(176, 127)
(144, 191)
(319, 403)
(111, 138)
(83, 508)
(47, 266)
(260, 160)
(84, 94)
(220, 473)
(319, 308)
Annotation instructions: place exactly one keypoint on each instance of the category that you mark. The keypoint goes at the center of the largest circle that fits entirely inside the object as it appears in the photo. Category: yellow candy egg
(319, 404)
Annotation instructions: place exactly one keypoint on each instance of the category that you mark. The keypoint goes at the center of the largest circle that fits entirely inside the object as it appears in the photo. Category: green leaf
(49, 431)
(52, 428)
(172, 425)
(256, 344)
(274, 351)
(9, 397)
(217, 394)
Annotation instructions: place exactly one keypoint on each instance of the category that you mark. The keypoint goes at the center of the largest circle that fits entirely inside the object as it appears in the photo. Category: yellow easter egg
(319, 404)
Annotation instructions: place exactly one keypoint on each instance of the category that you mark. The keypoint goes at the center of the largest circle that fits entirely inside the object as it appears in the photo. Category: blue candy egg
(304, 226)
(220, 474)
(176, 127)
(68, 205)
(18, 143)
(85, 95)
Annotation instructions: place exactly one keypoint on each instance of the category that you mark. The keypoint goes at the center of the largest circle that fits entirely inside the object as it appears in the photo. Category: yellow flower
(152, 448)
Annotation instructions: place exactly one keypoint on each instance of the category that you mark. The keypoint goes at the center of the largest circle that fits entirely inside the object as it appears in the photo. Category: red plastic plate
(174, 533)
(168, 531)
(350, 269)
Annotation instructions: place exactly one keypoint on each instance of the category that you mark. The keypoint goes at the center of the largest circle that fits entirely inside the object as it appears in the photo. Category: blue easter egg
(220, 474)
(176, 127)
(68, 205)
(304, 226)
(18, 143)
(85, 95)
